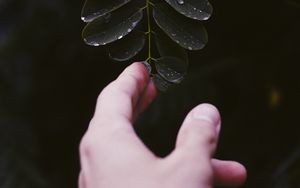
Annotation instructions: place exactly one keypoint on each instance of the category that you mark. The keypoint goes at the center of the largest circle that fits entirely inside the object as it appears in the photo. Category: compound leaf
(114, 23)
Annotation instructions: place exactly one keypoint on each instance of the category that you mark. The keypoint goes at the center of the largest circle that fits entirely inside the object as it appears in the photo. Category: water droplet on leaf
(181, 2)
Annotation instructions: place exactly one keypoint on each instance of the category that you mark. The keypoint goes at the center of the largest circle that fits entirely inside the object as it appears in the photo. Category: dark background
(49, 81)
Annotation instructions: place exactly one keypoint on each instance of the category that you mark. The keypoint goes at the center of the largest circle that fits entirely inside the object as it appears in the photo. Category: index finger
(119, 99)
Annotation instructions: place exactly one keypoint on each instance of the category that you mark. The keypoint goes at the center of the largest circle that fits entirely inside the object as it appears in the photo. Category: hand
(112, 156)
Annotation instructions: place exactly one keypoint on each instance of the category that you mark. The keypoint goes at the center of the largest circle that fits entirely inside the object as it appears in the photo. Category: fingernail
(147, 65)
(208, 113)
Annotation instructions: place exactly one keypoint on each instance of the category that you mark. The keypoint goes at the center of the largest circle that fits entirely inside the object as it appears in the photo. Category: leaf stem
(149, 31)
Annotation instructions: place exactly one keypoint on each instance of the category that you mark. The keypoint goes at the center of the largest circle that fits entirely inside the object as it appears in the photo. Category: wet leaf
(114, 23)
(160, 83)
(112, 26)
(188, 33)
(123, 50)
(174, 62)
(167, 47)
(195, 9)
(93, 9)
(171, 69)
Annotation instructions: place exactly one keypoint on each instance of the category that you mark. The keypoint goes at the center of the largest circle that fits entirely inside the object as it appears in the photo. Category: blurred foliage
(49, 81)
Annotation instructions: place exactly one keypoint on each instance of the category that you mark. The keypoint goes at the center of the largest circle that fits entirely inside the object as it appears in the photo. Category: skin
(112, 155)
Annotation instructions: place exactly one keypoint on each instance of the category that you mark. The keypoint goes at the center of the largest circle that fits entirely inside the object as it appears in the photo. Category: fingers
(110, 134)
(228, 173)
(119, 99)
(196, 144)
(199, 133)
(147, 97)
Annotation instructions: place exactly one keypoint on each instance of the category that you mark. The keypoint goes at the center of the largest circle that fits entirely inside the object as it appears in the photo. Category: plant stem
(149, 32)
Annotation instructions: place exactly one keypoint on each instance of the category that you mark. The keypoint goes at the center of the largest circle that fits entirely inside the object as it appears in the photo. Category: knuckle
(135, 81)
(118, 130)
(205, 131)
(208, 135)
(97, 137)
(86, 146)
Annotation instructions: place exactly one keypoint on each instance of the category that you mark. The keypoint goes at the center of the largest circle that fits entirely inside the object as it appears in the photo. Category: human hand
(112, 155)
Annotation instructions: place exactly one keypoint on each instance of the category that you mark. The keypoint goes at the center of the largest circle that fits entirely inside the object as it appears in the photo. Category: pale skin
(112, 155)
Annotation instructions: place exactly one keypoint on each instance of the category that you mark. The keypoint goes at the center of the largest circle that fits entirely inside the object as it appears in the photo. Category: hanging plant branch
(149, 29)
(174, 25)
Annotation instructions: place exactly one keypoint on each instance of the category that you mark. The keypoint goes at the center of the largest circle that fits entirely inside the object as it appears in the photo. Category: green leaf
(174, 62)
(189, 34)
(113, 26)
(93, 9)
(171, 69)
(127, 48)
(195, 9)
(160, 83)
(167, 47)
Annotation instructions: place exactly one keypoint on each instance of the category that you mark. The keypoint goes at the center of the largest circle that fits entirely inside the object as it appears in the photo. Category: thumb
(199, 133)
(196, 143)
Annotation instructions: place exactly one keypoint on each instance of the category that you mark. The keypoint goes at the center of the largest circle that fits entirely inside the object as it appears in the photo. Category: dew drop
(190, 48)
(95, 44)
(134, 24)
(181, 2)
(206, 18)
(119, 37)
